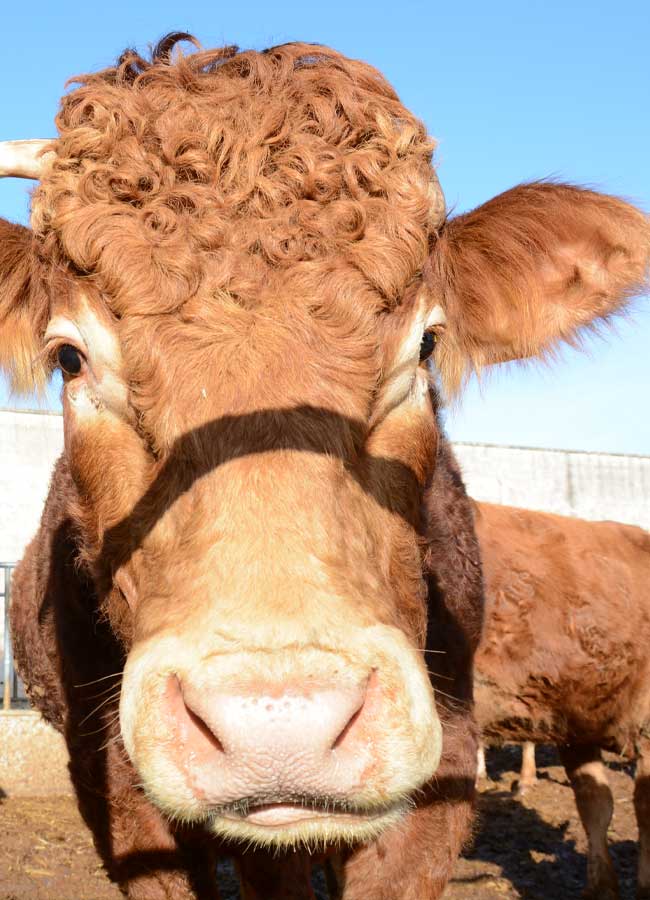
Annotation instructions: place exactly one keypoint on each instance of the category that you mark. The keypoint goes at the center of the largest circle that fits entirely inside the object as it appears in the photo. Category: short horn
(437, 205)
(23, 159)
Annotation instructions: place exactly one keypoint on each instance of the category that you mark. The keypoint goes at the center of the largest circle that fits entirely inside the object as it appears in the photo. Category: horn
(437, 205)
(23, 159)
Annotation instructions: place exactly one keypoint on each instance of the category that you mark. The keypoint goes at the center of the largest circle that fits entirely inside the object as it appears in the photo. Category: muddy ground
(532, 848)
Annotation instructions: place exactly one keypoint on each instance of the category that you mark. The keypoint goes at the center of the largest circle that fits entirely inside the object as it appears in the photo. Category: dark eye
(427, 345)
(70, 359)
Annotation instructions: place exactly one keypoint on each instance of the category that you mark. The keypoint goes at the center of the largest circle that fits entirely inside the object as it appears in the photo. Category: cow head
(241, 262)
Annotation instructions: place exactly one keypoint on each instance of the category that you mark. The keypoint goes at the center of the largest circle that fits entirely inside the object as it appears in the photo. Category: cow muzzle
(285, 746)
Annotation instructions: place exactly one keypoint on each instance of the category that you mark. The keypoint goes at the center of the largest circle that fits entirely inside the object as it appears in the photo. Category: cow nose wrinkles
(270, 739)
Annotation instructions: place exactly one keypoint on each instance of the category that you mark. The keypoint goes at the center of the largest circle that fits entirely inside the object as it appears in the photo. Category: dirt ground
(46, 853)
(532, 848)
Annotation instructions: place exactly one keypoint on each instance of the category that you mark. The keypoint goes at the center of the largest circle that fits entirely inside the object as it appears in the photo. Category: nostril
(203, 729)
(347, 729)
(353, 728)
(191, 728)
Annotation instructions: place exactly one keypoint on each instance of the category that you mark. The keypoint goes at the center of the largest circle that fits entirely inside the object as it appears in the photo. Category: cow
(564, 658)
(254, 598)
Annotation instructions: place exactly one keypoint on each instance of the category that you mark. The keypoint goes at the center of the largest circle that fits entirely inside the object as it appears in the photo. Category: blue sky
(513, 90)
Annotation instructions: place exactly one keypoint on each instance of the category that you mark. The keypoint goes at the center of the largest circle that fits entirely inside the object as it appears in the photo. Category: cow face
(240, 263)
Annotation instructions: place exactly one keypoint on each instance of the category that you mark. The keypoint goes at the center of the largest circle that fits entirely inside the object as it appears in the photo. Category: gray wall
(587, 485)
(30, 443)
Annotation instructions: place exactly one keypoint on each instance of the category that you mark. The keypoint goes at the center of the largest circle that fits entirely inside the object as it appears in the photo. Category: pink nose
(274, 742)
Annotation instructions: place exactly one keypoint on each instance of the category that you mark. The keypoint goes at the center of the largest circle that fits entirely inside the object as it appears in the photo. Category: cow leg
(528, 773)
(481, 768)
(642, 809)
(595, 803)
(283, 877)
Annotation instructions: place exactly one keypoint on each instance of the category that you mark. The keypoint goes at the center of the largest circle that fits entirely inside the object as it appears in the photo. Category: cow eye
(427, 345)
(70, 359)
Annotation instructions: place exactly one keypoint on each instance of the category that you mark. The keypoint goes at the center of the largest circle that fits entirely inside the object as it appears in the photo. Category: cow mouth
(279, 815)
(289, 822)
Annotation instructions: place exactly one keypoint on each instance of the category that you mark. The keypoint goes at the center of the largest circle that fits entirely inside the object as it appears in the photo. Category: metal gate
(9, 676)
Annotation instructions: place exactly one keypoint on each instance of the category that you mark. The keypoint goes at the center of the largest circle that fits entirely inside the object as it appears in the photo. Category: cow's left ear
(531, 268)
(23, 308)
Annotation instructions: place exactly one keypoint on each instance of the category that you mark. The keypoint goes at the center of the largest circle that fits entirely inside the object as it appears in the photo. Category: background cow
(564, 658)
(257, 557)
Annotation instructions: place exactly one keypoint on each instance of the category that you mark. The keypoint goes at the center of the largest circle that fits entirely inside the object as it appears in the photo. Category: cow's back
(564, 653)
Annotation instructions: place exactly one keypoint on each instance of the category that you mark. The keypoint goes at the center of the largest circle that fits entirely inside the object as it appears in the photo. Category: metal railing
(10, 678)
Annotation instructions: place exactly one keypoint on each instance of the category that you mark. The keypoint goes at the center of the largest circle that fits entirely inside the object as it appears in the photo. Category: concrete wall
(587, 485)
(30, 443)
(33, 757)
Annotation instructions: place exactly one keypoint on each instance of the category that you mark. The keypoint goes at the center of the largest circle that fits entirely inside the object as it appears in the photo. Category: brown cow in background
(565, 658)
(258, 537)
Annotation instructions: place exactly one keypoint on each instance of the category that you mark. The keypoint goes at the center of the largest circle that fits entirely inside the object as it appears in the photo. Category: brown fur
(563, 656)
(201, 195)
(23, 307)
(254, 234)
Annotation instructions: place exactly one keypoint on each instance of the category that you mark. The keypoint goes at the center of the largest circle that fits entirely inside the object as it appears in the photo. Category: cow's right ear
(23, 309)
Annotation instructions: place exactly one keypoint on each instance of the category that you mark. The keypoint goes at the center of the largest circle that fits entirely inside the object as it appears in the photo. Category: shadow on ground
(534, 847)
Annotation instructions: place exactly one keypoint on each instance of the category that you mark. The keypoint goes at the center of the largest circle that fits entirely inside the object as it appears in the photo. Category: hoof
(521, 788)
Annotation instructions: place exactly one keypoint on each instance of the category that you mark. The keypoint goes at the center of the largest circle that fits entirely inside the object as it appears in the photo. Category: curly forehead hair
(227, 172)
